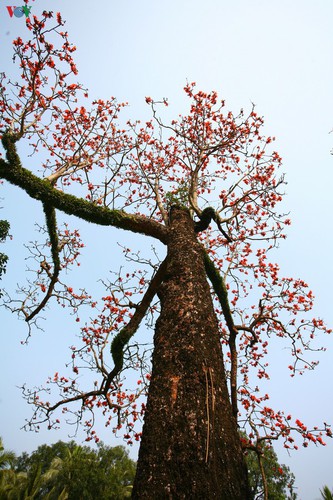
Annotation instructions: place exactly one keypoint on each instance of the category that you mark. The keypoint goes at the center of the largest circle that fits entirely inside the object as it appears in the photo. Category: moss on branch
(207, 215)
(51, 224)
(125, 334)
(220, 289)
(4, 229)
(43, 190)
(222, 293)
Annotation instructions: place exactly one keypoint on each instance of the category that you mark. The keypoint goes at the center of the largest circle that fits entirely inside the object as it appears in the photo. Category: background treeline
(67, 471)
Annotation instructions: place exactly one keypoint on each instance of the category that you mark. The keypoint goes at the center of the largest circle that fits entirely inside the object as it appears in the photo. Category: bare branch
(51, 224)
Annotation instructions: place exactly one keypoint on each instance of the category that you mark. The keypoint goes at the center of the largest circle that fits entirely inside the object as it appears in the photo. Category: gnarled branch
(221, 291)
(123, 337)
(51, 223)
(43, 190)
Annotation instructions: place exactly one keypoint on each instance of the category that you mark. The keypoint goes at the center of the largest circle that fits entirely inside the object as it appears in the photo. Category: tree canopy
(207, 185)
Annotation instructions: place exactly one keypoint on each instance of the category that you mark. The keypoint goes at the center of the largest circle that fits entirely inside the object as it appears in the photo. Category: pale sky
(275, 53)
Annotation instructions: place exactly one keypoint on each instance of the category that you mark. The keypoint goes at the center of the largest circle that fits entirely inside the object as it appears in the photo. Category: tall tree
(207, 187)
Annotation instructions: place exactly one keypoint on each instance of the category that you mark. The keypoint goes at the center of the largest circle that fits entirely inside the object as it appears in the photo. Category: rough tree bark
(190, 445)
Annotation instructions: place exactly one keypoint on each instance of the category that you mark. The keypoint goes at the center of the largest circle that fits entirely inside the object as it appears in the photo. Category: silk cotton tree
(206, 185)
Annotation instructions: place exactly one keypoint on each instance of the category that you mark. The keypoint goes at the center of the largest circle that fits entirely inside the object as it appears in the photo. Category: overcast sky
(274, 53)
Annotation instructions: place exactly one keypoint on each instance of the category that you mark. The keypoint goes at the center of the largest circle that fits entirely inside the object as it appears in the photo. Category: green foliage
(178, 196)
(13, 485)
(68, 471)
(6, 457)
(280, 480)
(326, 493)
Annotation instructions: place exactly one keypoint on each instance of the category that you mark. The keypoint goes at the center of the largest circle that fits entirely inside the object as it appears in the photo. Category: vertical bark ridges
(190, 445)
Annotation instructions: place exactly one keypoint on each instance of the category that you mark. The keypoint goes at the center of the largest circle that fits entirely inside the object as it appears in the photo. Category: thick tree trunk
(190, 445)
